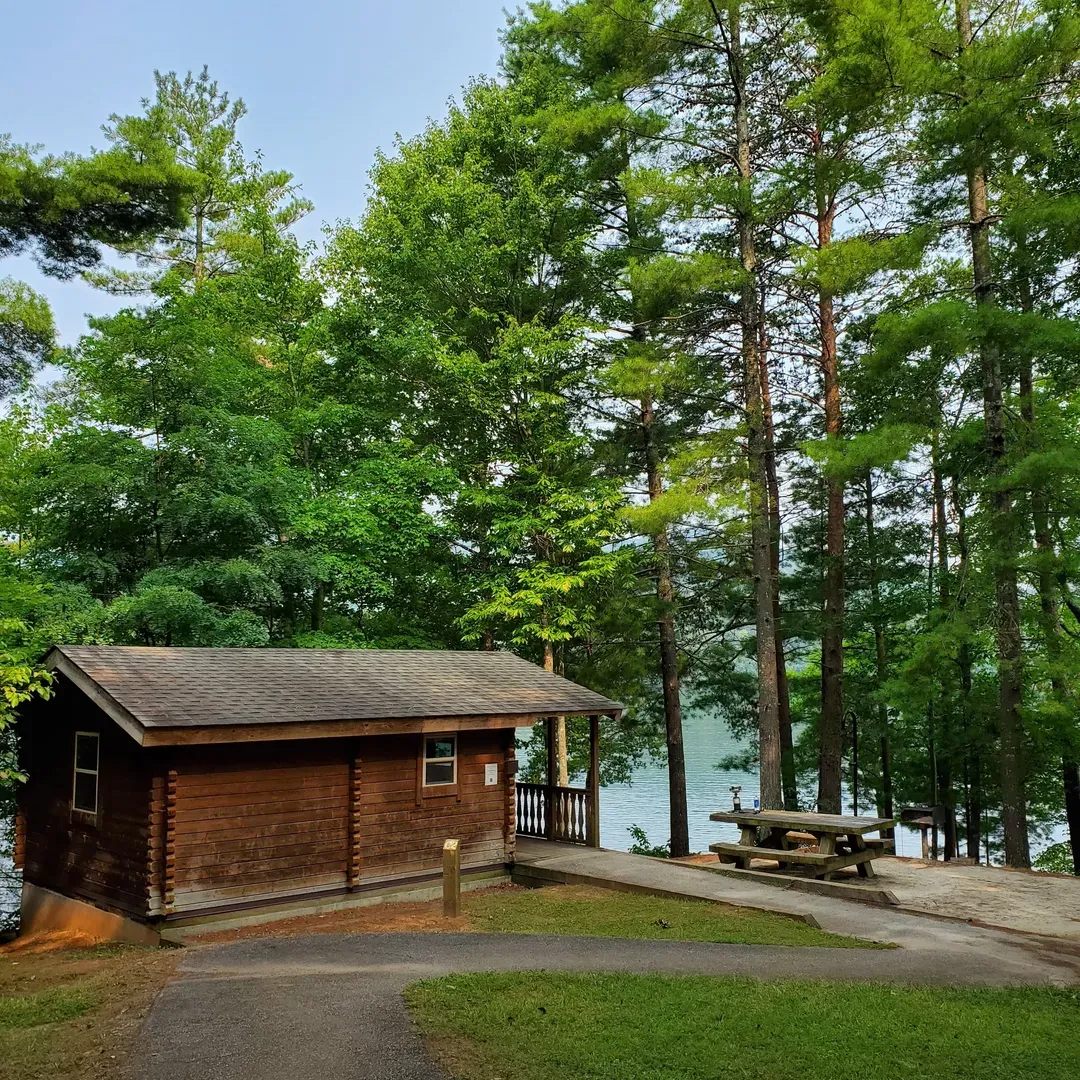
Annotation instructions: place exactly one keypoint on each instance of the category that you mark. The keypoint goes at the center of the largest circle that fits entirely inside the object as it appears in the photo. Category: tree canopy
(718, 355)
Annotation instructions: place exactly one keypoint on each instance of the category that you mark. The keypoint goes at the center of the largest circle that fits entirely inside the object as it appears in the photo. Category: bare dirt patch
(1026, 900)
(51, 941)
(388, 918)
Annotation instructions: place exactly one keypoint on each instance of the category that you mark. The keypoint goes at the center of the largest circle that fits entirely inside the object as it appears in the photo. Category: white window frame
(440, 760)
(95, 772)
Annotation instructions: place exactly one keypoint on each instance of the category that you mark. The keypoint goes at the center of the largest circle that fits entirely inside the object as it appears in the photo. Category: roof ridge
(167, 687)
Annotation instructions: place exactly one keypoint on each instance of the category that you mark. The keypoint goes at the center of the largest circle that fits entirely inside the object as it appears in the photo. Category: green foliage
(642, 846)
(1057, 859)
(19, 682)
(505, 407)
(27, 334)
(171, 615)
(848, 266)
(189, 129)
(851, 458)
(63, 209)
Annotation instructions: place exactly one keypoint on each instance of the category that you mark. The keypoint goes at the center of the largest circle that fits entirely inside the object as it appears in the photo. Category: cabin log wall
(257, 822)
(509, 773)
(403, 824)
(155, 851)
(195, 829)
(101, 858)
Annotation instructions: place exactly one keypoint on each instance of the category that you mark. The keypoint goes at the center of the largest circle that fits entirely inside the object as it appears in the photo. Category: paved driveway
(329, 1007)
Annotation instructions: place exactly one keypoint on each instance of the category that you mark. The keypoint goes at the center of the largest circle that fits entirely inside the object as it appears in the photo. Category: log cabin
(179, 786)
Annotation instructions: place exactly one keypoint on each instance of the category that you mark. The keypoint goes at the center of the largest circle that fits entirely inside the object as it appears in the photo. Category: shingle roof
(179, 688)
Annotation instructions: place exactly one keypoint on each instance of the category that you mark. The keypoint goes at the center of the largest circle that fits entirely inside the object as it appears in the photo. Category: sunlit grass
(541, 1026)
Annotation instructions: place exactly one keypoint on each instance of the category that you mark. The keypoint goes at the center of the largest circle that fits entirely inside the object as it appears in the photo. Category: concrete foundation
(45, 911)
(176, 931)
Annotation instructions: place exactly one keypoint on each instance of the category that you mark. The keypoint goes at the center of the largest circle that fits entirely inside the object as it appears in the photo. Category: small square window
(84, 796)
(440, 761)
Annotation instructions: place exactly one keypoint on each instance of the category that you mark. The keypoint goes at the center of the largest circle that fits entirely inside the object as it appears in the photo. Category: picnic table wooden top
(814, 823)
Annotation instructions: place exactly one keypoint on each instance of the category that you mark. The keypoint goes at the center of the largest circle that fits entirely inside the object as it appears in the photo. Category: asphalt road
(329, 1006)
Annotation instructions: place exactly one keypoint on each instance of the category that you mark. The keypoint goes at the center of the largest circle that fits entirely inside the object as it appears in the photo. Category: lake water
(10, 878)
(644, 800)
(707, 741)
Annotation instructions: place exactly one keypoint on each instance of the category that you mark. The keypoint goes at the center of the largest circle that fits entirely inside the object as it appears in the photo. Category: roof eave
(58, 660)
(192, 735)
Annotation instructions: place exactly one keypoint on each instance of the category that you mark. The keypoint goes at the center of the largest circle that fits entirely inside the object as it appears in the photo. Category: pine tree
(611, 60)
(190, 128)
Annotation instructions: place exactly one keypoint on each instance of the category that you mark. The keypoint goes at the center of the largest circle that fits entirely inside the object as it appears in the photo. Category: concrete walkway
(1025, 900)
(953, 945)
(329, 1006)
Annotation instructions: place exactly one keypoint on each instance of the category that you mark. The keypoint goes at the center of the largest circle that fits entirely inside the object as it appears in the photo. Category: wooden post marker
(451, 879)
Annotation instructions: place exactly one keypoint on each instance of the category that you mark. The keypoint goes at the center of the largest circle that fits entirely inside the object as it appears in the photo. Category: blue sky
(325, 83)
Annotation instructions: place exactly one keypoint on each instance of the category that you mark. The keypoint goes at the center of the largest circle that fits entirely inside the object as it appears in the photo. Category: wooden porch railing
(557, 813)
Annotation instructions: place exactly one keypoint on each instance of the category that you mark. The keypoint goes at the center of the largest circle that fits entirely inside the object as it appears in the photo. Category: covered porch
(570, 815)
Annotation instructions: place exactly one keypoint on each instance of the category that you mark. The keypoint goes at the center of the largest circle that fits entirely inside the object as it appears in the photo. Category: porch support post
(549, 793)
(592, 821)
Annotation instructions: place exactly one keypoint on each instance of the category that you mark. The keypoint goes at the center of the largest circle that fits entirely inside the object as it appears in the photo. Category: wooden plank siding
(269, 822)
(258, 821)
(100, 858)
(200, 828)
(403, 825)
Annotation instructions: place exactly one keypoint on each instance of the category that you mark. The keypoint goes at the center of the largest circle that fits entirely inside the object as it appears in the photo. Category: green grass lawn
(50, 1006)
(584, 911)
(649, 1027)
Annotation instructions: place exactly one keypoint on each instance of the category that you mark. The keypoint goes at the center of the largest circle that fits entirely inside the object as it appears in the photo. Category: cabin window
(87, 757)
(440, 760)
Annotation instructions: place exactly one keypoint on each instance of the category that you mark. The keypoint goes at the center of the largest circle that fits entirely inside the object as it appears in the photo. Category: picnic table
(841, 840)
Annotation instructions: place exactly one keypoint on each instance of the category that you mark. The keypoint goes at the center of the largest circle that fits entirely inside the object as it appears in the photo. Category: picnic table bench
(841, 840)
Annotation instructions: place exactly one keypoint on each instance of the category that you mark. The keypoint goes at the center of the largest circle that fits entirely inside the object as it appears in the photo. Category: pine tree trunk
(562, 778)
(931, 724)
(832, 632)
(199, 272)
(973, 817)
(944, 758)
(832, 635)
(1001, 517)
(669, 652)
(880, 655)
(1049, 608)
(669, 668)
(1071, 775)
(964, 660)
(665, 589)
(788, 778)
(768, 702)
